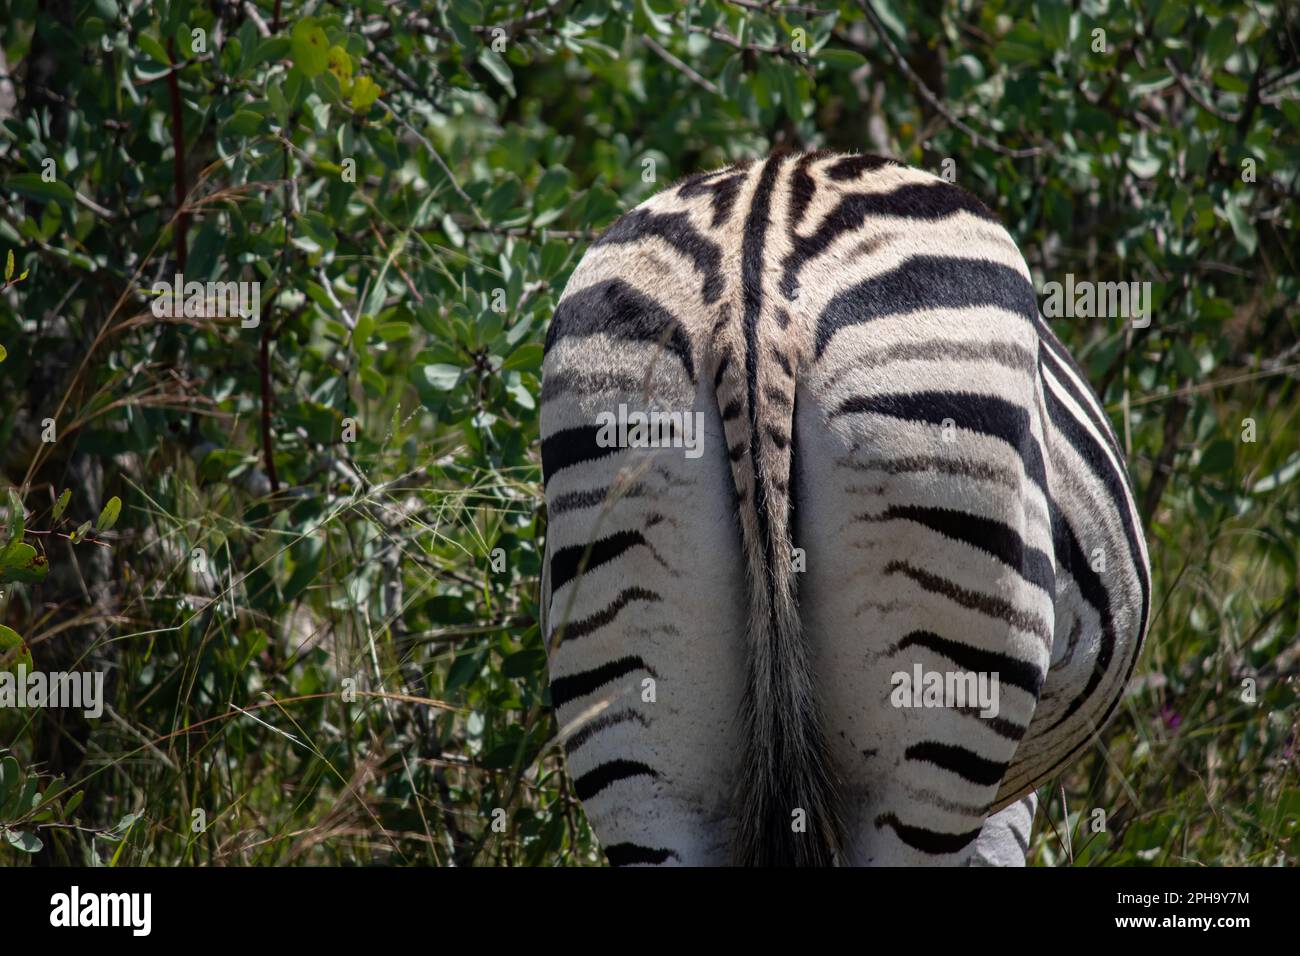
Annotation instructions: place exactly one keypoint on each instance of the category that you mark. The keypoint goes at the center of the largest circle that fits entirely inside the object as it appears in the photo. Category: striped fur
(900, 466)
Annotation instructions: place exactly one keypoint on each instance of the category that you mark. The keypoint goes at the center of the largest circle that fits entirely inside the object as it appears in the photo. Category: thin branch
(95, 207)
(928, 95)
(1196, 97)
(686, 70)
(424, 141)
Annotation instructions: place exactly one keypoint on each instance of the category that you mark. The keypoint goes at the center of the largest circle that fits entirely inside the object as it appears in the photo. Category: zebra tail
(786, 802)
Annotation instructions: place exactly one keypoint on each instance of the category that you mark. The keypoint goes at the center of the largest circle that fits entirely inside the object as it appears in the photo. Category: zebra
(899, 464)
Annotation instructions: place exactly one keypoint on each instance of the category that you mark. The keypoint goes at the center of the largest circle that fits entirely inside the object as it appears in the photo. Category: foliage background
(491, 141)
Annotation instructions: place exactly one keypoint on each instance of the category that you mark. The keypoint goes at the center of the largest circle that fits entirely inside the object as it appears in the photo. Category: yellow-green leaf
(364, 93)
(62, 504)
(108, 517)
(13, 650)
(339, 63)
(309, 47)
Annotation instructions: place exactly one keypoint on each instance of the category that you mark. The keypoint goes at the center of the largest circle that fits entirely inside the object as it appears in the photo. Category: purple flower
(1170, 717)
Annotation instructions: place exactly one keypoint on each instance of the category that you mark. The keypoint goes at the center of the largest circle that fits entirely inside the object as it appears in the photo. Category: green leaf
(453, 231)
(1221, 42)
(527, 356)
(1144, 167)
(500, 70)
(32, 186)
(153, 48)
(1054, 21)
(13, 652)
(393, 331)
(243, 123)
(552, 189)
(80, 533)
(1219, 456)
(108, 517)
(1242, 228)
(19, 561)
(524, 664)
(309, 47)
(841, 59)
(272, 48)
(26, 842)
(61, 505)
(1291, 110)
(17, 523)
(9, 265)
(441, 377)
(3, 354)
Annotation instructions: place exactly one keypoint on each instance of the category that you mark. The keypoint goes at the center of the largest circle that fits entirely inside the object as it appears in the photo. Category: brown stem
(1163, 470)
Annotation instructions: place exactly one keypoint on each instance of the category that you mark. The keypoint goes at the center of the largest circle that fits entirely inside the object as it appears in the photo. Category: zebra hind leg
(1004, 838)
(646, 612)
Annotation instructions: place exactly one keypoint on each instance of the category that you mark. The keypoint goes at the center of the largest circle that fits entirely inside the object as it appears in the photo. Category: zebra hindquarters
(647, 643)
(928, 592)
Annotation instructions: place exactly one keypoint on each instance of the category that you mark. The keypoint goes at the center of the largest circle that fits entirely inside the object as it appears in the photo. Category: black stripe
(1010, 670)
(802, 187)
(992, 537)
(722, 369)
(598, 620)
(986, 604)
(566, 563)
(594, 781)
(1007, 729)
(927, 283)
(930, 201)
(928, 841)
(1114, 481)
(1071, 557)
(592, 497)
(603, 722)
(723, 192)
(851, 167)
(675, 229)
(986, 414)
(573, 686)
(626, 854)
(964, 763)
(1090, 407)
(615, 308)
(782, 361)
(752, 259)
(571, 446)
